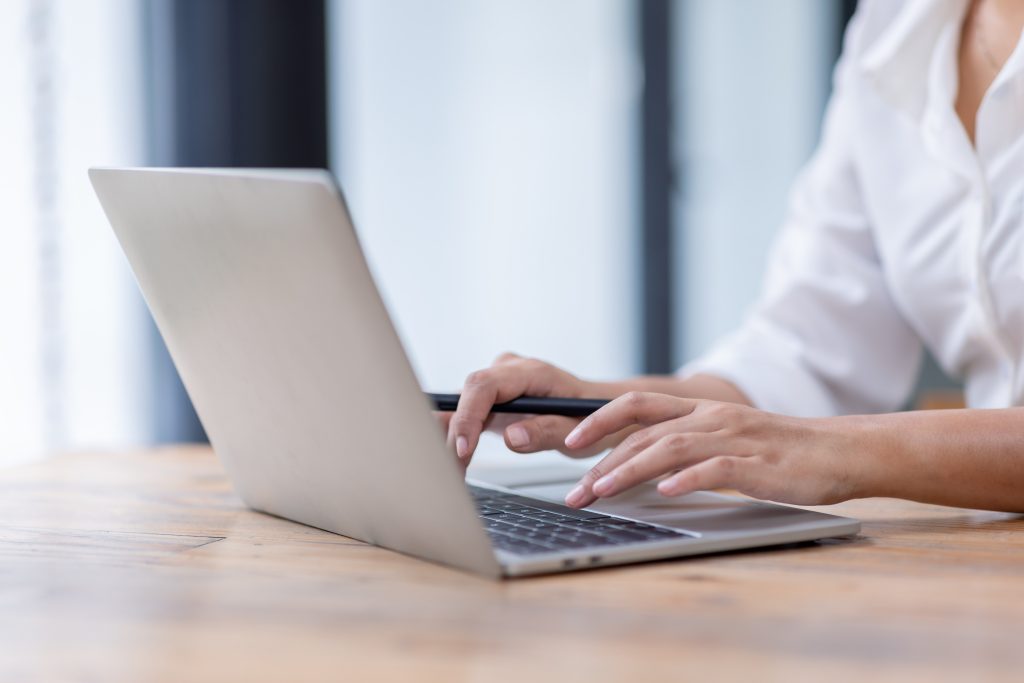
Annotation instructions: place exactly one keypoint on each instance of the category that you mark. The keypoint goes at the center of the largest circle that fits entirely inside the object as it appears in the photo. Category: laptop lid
(259, 287)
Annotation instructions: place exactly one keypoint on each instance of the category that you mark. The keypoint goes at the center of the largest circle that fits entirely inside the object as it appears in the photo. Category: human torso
(947, 206)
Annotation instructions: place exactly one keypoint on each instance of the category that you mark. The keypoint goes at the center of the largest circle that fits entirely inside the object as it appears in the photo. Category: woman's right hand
(512, 376)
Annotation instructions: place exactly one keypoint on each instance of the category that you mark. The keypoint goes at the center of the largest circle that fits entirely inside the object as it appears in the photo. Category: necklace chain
(989, 57)
(979, 38)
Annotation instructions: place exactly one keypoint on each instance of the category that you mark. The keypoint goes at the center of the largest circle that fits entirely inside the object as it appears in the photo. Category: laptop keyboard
(524, 525)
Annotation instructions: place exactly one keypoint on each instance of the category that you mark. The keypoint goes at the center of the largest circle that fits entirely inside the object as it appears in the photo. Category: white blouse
(899, 234)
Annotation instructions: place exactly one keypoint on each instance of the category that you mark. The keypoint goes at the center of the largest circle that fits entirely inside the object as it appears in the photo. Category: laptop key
(534, 523)
(583, 523)
(525, 525)
(506, 517)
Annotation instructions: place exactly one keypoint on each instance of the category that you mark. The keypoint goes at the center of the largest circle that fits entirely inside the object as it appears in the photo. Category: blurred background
(593, 182)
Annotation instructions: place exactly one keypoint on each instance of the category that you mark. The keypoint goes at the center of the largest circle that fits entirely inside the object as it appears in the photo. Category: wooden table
(145, 567)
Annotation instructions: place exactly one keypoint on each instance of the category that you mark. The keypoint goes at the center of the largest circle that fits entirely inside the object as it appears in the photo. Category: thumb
(540, 433)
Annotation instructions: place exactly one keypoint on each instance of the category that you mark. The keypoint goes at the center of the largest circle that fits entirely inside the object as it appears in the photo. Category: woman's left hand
(707, 445)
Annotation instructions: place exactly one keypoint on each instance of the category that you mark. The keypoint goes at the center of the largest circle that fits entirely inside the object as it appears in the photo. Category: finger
(506, 357)
(643, 438)
(583, 494)
(498, 422)
(479, 394)
(482, 390)
(541, 433)
(495, 422)
(629, 409)
(715, 473)
(670, 452)
(639, 442)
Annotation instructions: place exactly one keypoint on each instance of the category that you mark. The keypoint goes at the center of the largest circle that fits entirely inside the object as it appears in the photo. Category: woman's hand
(510, 377)
(707, 444)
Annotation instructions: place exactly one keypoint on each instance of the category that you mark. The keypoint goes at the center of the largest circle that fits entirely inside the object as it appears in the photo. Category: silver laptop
(262, 294)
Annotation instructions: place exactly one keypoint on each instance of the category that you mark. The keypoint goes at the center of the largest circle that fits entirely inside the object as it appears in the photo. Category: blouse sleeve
(825, 337)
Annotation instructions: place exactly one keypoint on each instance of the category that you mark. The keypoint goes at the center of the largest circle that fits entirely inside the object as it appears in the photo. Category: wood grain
(145, 567)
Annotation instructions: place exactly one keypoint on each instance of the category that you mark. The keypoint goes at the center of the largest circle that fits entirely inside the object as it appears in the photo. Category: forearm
(698, 386)
(962, 458)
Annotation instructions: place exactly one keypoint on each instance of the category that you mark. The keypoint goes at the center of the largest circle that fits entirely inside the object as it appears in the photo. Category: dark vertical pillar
(232, 83)
(656, 185)
(846, 10)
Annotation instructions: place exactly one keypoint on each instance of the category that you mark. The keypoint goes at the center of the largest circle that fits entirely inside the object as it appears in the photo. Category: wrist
(870, 450)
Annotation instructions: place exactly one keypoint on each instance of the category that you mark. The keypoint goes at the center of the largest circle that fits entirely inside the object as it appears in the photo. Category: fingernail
(518, 436)
(574, 436)
(665, 487)
(575, 497)
(604, 484)
(461, 446)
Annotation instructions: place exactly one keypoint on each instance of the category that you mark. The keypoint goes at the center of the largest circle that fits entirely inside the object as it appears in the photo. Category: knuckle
(767, 457)
(595, 473)
(635, 441)
(537, 368)
(505, 357)
(741, 416)
(747, 423)
(547, 431)
(717, 411)
(725, 416)
(634, 399)
(676, 442)
(461, 422)
(728, 429)
(724, 467)
(478, 378)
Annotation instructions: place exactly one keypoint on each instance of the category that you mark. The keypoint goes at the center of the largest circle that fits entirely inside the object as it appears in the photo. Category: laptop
(259, 287)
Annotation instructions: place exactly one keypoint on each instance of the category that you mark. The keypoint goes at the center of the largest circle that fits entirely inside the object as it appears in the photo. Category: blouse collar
(899, 60)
